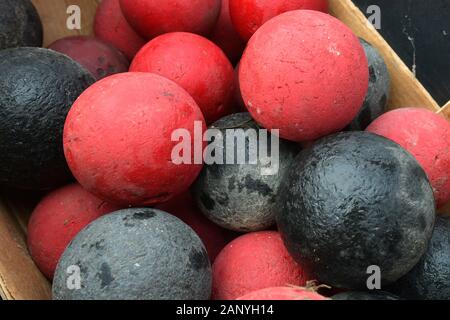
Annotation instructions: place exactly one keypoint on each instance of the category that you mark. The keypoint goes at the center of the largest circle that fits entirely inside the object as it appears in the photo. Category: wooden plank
(445, 110)
(54, 18)
(19, 277)
(406, 90)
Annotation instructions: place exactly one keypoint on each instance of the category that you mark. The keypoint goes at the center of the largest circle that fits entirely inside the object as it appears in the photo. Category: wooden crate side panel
(20, 279)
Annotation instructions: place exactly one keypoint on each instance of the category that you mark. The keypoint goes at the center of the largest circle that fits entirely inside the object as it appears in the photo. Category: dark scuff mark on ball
(83, 269)
(105, 275)
(127, 222)
(223, 199)
(144, 215)
(207, 201)
(232, 183)
(198, 259)
(372, 75)
(257, 186)
(99, 245)
(138, 215)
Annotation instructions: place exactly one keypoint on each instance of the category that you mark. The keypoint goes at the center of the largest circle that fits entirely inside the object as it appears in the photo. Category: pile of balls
(356, 188)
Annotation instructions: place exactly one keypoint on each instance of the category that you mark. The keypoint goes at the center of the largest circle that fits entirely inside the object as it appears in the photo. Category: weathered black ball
(20, 24)
(135, 254)
(240, 196)
(37, 89)
(430, 278)
(378, 92)
(365, 295)
(352, 201)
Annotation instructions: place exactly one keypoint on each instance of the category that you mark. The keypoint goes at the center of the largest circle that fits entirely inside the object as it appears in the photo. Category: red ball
(305, 73)
(254, 261)
(214, 237)
(249, 15)
(196, 64)
(283, 293)
(111, 26)
(118, 139)
(98, 57)
(226, 37)
(57, 219)
(151, 18)
(426, 136)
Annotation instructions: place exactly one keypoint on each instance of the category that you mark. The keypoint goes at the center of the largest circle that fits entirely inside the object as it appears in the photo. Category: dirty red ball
(196, 64)
(252, 262)
(249, 15)
(111, 26)
(151, 18)
(214, 237)
(283, 293)
(118, 139)
(57, 219)
(226, 37)
(305, 73)
(426, 135)
(98, 57)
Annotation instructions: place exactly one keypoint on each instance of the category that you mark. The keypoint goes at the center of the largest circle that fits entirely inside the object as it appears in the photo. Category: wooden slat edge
(406, 90)
(445, 111)
(19, 277)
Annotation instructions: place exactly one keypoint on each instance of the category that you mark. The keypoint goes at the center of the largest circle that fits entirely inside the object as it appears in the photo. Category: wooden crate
(19, 277)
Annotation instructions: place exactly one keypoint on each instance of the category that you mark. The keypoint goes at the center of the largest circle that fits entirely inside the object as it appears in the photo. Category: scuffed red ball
(305, 73)
(57, 219)
(214, 237)
(252, 262)
(118, 139)
(111, 26)
(226, 37)
(249, 15)
(196, 64)
(426, 136)
(283, 293)
(98, 57)
(151, 18)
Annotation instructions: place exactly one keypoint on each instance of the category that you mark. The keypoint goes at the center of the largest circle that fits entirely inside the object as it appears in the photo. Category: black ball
(37, 89)
(354, 200)
(238, 196)
(430, 278)
(378, 93)
(20, 25)
(365, 295)
(135, 254)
